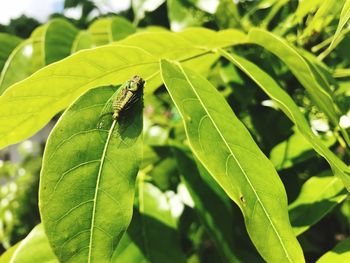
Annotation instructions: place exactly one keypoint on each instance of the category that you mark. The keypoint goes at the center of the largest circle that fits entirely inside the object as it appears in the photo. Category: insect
(130, 92)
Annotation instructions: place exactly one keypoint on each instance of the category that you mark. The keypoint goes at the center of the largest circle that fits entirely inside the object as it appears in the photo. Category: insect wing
(133, 99)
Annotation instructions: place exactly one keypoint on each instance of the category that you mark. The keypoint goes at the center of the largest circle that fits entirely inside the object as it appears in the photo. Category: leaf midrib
(240, 167)
(97, 187)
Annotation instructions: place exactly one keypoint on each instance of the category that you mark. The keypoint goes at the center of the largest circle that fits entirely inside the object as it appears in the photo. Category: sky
(41, 9)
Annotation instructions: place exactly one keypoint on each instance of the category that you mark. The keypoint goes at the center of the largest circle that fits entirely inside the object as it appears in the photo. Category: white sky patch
(42, 9)
(38, 9)
(345, 121)
(74, 12)
(107, 6)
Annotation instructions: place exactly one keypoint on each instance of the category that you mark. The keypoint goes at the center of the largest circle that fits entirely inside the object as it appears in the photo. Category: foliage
(237, 151)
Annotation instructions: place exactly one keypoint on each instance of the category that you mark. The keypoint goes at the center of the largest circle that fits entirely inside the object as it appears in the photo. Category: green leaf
(294, 150)
(7, 45)
(109, 29)
(318, 195)
(327, 11)
(82, 41)
(88, 177)
(34, 248)
(227, 15)
(26, 110)
(55, 41)
(305, 8)
(212, 127)
(276, 7)
(340, 253)
(344, 18)
(18, 65)
(301, 69)
(152, 235)
(288, 106)
(58, 40)
(47, 44)
(7, 255)
(213, 209)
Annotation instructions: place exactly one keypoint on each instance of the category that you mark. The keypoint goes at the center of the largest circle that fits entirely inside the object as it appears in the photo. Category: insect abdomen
(120, 103)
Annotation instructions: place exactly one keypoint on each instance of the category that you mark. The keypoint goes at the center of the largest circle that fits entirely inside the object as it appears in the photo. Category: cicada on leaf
(127, 94)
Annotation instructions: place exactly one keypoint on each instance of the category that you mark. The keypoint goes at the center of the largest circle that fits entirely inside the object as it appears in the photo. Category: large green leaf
(214, 209)
(340, 253)
(317, 197)
(152, 235)
(34, 248)
(226, 149)
(288, 106)
(344, 17)
(25, 110)
(88, 178)
(7, 45)
(109, 29)
(302, 70)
